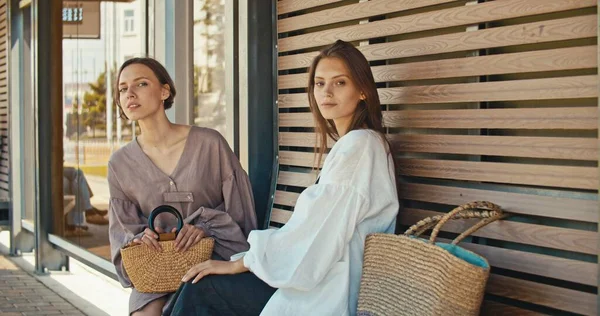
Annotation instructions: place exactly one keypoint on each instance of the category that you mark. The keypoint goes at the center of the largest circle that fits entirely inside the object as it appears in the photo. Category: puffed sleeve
(125, 223)
(230, 223)
(301, 253)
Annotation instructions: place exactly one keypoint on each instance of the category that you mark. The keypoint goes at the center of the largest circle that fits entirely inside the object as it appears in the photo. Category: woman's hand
(188, 236)
(150, 238)
(214, 267)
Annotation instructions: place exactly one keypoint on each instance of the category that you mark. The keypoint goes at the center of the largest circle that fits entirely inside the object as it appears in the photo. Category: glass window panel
(209, 64)
(92, 129)
(129, 20)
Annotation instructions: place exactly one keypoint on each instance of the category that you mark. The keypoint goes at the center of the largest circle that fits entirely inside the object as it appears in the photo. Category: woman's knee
(153, 308)
(205, 285)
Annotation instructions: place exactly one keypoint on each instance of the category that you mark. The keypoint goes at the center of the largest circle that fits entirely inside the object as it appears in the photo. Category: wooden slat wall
(484, 100)
(4, 121)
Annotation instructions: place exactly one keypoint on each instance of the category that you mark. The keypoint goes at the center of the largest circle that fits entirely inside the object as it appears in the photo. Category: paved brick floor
(22, 294)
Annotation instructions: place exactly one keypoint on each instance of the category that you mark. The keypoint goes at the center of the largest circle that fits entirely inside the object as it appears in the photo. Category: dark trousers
(221, 295)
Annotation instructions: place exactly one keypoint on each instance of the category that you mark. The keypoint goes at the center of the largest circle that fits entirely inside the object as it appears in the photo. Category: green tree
(94, 104)
(93, 112)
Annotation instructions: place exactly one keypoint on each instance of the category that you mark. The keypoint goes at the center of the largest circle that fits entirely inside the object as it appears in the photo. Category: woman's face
(140, 93)
(335, 92)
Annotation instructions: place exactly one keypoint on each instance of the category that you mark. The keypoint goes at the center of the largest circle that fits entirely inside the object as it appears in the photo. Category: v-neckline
(151, 163)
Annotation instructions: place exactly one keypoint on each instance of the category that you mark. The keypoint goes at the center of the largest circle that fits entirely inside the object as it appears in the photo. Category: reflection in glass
(92, 130)
(209, 64)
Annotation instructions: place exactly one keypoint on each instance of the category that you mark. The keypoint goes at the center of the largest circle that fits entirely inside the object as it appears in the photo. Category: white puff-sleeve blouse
(315, 259)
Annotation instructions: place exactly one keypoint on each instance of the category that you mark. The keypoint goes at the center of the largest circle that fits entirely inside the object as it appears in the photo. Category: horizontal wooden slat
(542, 294)
(296, 120)
(351, 12)
(287, 6)
(300, 159)
(528, 174)
(513, 90)
(522, 233)
(472, 14)
(286, 198)
(533, 147)
(513, 63)
(280, 216)
(296, 178)
(584, 118)
(536, 32)
(491, 308)
(538, 264)
(512, 173)
(518, 203)
(563, 208)
(298, 139)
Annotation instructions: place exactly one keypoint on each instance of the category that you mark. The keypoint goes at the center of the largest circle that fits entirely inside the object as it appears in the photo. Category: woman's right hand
(150, 239)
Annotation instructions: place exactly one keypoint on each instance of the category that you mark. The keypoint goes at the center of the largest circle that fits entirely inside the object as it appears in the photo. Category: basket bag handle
(165, 209)
(487, 211)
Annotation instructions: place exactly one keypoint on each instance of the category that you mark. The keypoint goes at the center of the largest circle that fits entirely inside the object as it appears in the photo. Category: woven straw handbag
(153, 271)
(407, 275)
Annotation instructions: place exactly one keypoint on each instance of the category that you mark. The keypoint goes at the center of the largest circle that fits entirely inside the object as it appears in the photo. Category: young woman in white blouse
(312, 265)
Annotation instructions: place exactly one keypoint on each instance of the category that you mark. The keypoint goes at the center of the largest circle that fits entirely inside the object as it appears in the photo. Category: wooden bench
(483, 100)
(69, 202)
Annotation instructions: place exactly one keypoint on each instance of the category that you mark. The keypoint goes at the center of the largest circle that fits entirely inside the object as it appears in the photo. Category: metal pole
(110, 38)
(47, 98)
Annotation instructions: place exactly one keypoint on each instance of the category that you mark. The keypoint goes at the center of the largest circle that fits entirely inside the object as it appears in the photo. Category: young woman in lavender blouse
(190, 168)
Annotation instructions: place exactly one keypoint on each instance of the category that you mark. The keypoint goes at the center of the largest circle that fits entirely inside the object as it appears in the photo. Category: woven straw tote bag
(153, 271)
(407, 275)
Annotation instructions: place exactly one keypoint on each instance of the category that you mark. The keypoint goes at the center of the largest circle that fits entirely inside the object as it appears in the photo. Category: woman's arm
(125, 224)
(227, 223)
(231, 222)
(301, 253)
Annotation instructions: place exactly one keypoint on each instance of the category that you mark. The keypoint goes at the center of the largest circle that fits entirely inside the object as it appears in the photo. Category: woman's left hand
(214, 267)
(188, 236)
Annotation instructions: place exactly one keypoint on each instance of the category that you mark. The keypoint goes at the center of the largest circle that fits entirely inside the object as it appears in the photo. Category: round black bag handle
(165, 209)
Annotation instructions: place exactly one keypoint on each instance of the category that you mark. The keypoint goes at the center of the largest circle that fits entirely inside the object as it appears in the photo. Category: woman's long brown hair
(368, 112)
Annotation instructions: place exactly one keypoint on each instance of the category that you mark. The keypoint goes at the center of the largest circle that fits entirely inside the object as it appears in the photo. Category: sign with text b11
(81, 19)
